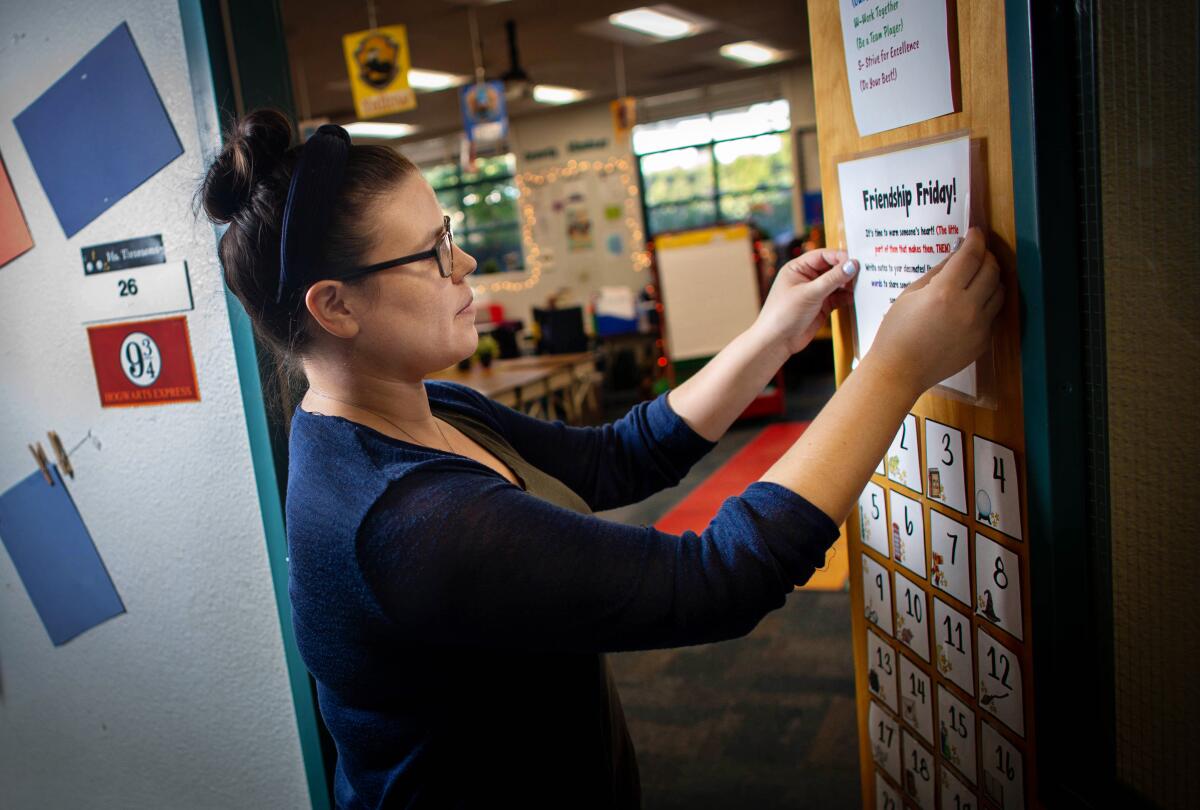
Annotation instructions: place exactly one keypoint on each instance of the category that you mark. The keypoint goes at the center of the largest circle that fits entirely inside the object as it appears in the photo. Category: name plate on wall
(155, 289)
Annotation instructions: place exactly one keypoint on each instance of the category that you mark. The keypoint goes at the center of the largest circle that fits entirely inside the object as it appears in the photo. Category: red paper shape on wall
(144, 363)
(14, 232)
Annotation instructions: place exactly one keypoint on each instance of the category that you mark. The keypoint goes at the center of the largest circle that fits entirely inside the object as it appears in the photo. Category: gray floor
(765, 721)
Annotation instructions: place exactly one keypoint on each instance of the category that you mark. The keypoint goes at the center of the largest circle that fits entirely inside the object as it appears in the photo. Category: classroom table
(536, 385)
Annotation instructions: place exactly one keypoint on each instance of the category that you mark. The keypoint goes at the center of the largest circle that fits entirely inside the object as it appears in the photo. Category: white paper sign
(997, 495)
(903, 211)
(998, 585)
(908, 533)
(885, 797)
(956, 795)
(912, 616)
(885, 740)
(155, 289)
(916, 698)
(956, 732)
(918, 772)
(903, 460)
(1003, 770)
(949, 570)
(1000, 683)
(872, 519)
(952, 643)
(944, 465)
(877, 595)
(897, 62)
(881, 670)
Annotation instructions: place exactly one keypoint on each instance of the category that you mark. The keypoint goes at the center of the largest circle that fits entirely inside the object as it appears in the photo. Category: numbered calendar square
(955, 795)
(908, 533)
(997, 495)
(918, 772)
(949, 567)
(945, 466)
(885, 740)
(882, 670)
(998, 585)
(956, 732)
(877, 594)
(912, 625)
(872, 519)
(952, 645)
(1000, 693)
(886, 797)
(903, 459)
(1003, 772)
(916, 699)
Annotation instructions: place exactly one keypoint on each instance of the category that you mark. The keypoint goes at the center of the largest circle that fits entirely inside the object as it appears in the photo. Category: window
(728, 166)
(483, 210)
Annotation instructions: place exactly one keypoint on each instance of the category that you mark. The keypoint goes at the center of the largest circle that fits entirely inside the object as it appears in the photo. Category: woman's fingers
(986, 280)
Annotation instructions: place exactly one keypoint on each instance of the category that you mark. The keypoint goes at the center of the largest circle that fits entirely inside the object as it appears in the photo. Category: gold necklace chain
(449, 447)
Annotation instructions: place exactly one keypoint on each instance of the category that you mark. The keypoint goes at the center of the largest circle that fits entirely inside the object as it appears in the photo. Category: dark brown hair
(247, 186)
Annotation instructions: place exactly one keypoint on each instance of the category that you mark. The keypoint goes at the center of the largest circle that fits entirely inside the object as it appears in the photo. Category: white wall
(184, 701)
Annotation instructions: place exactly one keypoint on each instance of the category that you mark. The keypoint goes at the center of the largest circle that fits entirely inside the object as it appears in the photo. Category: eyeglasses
(442, 253)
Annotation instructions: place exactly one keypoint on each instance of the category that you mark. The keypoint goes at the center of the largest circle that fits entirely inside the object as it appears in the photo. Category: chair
(561, 329)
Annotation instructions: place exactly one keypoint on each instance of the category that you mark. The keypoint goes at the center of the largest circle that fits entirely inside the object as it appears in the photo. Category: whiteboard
(709, 289)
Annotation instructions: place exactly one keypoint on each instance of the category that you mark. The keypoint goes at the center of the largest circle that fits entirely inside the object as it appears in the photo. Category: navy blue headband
(312, 195)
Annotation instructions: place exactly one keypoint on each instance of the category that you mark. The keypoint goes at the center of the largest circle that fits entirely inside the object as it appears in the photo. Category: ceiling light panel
(751, 53)
(378, 129)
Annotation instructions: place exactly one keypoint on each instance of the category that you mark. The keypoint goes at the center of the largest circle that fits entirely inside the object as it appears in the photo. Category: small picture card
(912, 626)
(956, 795)
(885, 740)
(1000, 692)
(903, 460)
(140, 292)
(956, 732)
(949, 561)
(918, 772)
(143, 363)
(881, 670)
(945, 465)
(997, 494)
(886, 798)
(916, 698)
(952, 643)
(872, 519)
(123, 255)
(877, 594)
(998, 585)
(1003, 772)
(908, 533)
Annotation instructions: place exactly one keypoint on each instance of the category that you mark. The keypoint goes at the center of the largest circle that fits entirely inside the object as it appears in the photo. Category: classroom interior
(630, 180)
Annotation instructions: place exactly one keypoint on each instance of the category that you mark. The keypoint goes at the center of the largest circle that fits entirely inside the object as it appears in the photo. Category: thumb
(834, 278)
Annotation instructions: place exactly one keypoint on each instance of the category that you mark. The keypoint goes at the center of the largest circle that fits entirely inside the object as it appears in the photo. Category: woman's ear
(327, 302)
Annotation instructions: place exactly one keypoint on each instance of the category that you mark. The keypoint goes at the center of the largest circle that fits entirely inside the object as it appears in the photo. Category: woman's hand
(943, 321)
(806, 290)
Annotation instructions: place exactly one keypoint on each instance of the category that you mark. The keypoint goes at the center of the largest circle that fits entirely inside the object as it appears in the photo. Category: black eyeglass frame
(445, 271)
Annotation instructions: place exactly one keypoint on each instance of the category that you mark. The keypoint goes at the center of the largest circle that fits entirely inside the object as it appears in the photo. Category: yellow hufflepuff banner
(378, 63)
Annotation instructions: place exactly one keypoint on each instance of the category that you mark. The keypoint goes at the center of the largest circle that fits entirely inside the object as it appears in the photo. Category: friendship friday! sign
(903, 211)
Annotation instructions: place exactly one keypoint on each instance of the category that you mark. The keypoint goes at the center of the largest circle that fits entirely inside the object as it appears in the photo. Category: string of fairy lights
(529, 181)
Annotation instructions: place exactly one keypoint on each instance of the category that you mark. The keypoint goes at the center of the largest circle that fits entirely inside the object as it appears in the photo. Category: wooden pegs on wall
(39, 455)
(64, 461)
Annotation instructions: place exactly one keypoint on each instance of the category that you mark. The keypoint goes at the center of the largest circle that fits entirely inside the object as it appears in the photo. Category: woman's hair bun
(255, 147)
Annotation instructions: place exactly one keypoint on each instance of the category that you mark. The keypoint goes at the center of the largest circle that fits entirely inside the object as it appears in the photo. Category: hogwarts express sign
(143, 363)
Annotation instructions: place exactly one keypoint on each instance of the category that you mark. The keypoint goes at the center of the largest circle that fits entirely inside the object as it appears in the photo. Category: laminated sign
(377, 60)
(143, 363)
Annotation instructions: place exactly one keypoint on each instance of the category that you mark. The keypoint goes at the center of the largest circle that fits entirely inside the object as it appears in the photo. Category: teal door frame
(213, 92)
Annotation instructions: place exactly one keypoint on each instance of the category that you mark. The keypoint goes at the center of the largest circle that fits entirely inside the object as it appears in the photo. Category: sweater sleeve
(459, 557)
(645, 451)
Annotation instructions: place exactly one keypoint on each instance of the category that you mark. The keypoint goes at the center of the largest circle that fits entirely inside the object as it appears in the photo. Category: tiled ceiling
(553, 48)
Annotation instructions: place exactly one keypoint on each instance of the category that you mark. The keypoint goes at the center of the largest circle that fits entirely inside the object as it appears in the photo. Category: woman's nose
(464, 264)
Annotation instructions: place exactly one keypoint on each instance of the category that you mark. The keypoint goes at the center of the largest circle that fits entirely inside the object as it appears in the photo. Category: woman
(452, 593)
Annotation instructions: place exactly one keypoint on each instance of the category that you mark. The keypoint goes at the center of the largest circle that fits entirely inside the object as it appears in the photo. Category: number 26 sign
(143, 363)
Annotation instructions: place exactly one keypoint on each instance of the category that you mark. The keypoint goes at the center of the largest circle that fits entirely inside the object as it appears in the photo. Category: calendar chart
(939, 540)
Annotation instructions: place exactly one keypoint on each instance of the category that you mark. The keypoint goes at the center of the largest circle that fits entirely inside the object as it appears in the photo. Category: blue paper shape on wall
(54, 555)
(99, 132)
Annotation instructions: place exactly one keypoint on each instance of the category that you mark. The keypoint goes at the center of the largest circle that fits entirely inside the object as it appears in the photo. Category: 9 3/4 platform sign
(143, 363)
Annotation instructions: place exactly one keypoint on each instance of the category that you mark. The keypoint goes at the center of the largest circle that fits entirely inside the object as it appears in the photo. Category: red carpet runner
(696, 510)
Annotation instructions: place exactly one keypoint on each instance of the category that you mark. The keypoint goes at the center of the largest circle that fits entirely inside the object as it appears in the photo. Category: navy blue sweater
(455, 623)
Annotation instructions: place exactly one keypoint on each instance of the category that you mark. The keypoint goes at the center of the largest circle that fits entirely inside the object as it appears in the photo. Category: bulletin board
(939, 546)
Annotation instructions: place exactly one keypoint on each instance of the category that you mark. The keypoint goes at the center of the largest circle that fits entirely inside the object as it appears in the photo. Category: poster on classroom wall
(377, 61)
